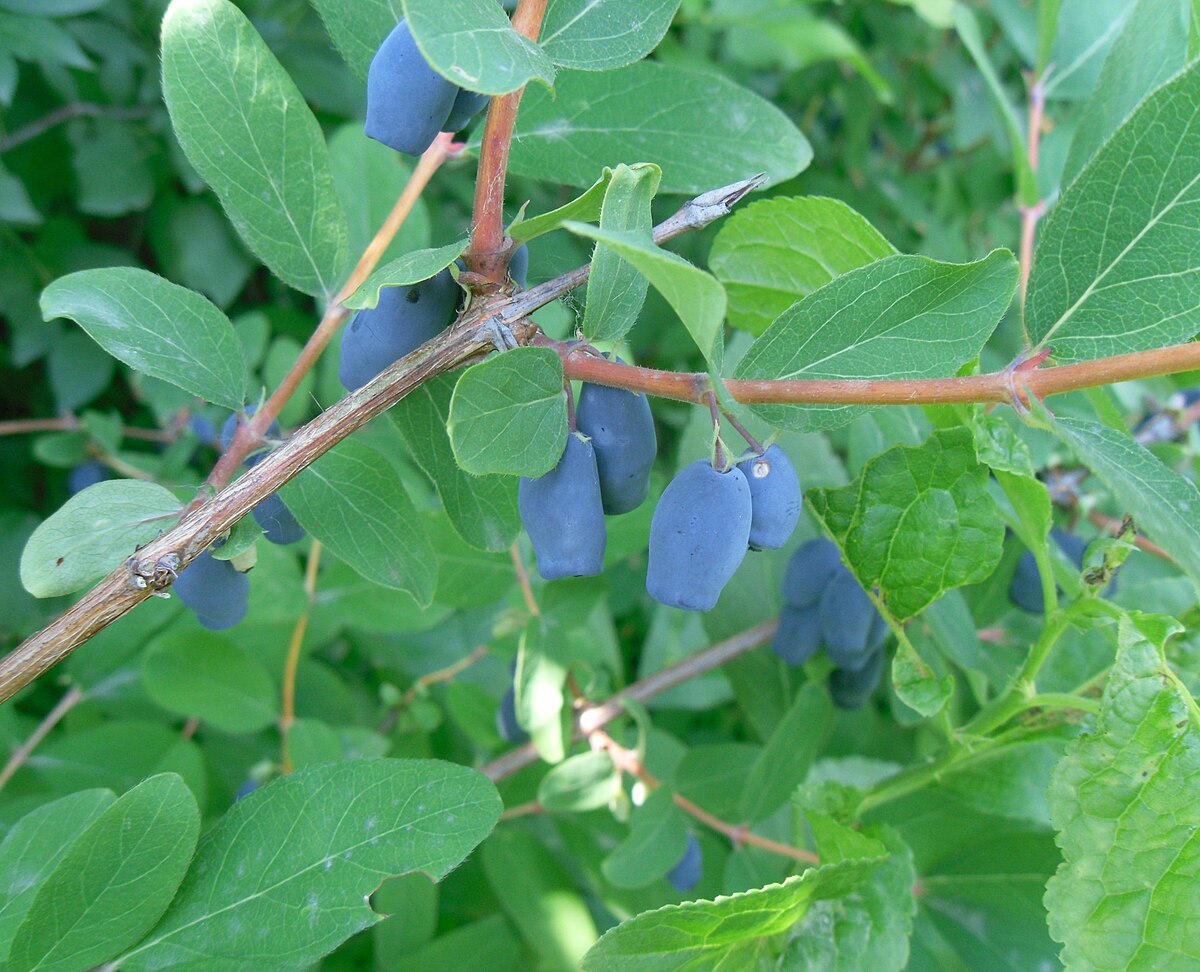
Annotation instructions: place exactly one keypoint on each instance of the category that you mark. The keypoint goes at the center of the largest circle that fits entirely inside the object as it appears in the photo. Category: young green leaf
(584, 208)
(483, 509)
(1123, 802)
(358, 27)
(584, 782)
(156, 327)
(353, 501)
(917, 522)
(727, 932)
(472, 43)
(615, 288)
(32, 849)
(92, 533)
(697, 297)
(708, 131)
(1163, 501)
(1113, 272)
(657, 839)
(590, 36)
(408, 269)
(246, 128)
(287, 870)
(114, 882)
(509, 414)
(206, 676)
(771, 253)
(899, 317)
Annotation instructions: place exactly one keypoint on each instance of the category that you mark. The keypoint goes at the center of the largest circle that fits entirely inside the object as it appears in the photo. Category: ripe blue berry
(621, 428)
(847, 618)
(775, 496)
(687, 873)
(798, 636)
(408, 102)
(404, 319)
(698, 536)
(563, 514)
(809, 571)
(467, 104)
(86, 474)
(850, 689)
(1025, 591)
(277, 522)
(219, 594)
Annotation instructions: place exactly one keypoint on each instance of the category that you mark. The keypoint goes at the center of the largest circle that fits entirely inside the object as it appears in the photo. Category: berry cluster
(408, 102)
(826, 608)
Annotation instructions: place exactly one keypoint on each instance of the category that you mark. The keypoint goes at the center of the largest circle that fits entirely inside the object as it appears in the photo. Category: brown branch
(523, 581)
(991, 387)
(69, 423)
(22, 753)
(592, 718)
(421, 684)
(66, 113)
(488, 255)
(738, 834)
(1030, 215)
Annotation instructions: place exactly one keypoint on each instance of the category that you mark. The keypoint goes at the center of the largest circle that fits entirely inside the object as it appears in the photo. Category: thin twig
(287, 715)
(72, 698)
(523, 580)
(421, 684)
(1031, 214)
(69, 423)
(591, 718)
(66, 113)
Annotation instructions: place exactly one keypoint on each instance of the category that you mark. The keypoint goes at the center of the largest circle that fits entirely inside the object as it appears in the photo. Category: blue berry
(851, 688)
(698, 536)
(506, 719)
(775, 496)
(408, 102)
(1025, 591)
(687, 873)
(798, 636)
(809, 571)
(621, 428)
(563, 515)
(847, 617)
(467, 104)
(219, 594)
(86, 474)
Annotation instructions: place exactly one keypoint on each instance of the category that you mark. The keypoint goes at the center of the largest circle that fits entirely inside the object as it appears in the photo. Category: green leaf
(353, 501)
(408, 269)
(483, 509)
(287, 870)
(972, 38)
(615, 288)
(32, 849)
(1124, 804)
(657, 839)
(916, 684)
(590, 36)
(788, 755)
(584, 782)
(92, 533)
(206, 676)
(459, 950)
(1152, 46)
(539, 687)
(584, 208)
(472, 43)
(866, 929)
(156, 327)
(358, 27)
(1113, 271)
(246, 128)
(697, 297)
(899, 317)
(508, 414)
(1082, 39)
(114, 882)
(726, 933)
(708, 131)
(771, 253)
(917, 521)
(1163, 502)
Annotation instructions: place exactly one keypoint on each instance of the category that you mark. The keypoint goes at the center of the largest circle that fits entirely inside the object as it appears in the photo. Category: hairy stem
(487, 255)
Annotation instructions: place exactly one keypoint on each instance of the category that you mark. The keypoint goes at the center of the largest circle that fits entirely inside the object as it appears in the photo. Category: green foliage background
(1019, 795)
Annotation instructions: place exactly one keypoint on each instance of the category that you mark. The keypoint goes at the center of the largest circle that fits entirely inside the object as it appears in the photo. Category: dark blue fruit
(506, 719)
(219, 594)
(809, 571)
(86, 474)
(847, 617)
(1025, 591)
(850, 689)
(563, 514)
(687, 873)
(203, 429)
(698, 536)
(231, 423)
(798, 636)
(408, 102)
(246, 789)
(518, 265)
(775, 496)
(277, 522)
(621, 428)
(404, 319)
(467, 104)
